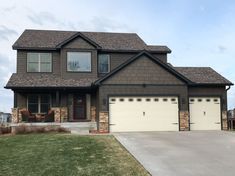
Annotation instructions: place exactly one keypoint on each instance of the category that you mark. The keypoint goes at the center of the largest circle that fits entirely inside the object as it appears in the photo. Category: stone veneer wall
(93, 113)
(103, 122)
(224, 120)
(184, 121)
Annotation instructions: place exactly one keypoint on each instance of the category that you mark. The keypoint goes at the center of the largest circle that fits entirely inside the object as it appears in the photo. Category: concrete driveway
(209, 153)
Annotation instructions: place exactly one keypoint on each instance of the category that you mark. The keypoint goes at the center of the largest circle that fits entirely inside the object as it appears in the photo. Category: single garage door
(205, 113)
(143, 114)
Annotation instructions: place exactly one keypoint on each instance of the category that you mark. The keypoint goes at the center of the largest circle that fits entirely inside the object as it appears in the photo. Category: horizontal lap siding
(22, 61)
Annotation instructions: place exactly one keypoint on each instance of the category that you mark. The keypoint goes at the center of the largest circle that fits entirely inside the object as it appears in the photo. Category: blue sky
(199, 32)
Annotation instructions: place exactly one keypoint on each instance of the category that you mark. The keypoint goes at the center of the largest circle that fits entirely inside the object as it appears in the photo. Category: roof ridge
(55, 30)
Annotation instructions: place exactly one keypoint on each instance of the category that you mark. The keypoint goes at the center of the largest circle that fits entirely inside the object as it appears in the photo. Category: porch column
(15, 99)
(88, 106)
(57, 99)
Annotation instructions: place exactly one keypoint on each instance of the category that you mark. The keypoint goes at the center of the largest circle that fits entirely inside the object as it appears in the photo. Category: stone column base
(224, 120)
(103, 122)
(184, 121)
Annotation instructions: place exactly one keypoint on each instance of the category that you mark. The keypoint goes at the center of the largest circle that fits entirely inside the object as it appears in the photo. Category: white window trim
(108, 63)
(39, 63)
(39, 101)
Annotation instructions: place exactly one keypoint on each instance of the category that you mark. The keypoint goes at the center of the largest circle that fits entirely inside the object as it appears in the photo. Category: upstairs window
(39, 62)
(104, 63)
(79, 61)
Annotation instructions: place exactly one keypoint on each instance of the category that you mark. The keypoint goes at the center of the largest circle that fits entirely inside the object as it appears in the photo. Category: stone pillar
(184, 121)
(20, 114)
(93, 113)
(64, 114)
(15, 115)
(57, 114)
(103, 122)
(224, 120)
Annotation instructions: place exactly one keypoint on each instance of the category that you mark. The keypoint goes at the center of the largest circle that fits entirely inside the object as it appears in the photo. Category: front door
(79, 107)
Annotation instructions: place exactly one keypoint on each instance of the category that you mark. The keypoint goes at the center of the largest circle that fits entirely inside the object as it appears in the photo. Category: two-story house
(115, 80)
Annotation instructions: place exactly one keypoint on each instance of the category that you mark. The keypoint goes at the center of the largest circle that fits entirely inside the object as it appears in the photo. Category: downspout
(227, 107)
(228, 88)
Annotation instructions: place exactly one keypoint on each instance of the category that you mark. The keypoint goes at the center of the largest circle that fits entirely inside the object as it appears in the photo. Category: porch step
(82, 128)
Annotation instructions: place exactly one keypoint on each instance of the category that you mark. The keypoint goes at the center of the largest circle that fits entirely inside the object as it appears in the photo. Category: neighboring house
(231, 119)
(5, 117)
(116, 80)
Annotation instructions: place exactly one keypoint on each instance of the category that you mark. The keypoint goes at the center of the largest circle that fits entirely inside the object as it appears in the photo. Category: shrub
(23, 129)
(4, 129)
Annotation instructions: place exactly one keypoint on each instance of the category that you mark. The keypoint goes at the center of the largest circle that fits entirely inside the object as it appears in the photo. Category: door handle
(143, 113)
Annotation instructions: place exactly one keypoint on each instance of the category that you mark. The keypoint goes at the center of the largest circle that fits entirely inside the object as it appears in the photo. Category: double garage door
(143, 114)
(162, 113)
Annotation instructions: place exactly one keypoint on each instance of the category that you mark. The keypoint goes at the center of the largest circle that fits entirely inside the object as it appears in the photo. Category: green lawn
(65, 155)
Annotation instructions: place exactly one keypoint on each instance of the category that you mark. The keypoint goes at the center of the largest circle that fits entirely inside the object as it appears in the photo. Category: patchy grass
(65, 154)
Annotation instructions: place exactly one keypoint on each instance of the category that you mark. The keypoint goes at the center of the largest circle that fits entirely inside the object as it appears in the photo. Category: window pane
(33, 108)
(45, 108)
(45, 57)
(32, 57)
(33, 67)
(103, 63)
(32, 99)
(32, 62)
(45, 67)
(79, 61)
(45, 99)
(33, 103)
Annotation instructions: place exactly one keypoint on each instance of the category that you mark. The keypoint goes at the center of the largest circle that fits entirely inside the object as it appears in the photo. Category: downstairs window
(39, 103)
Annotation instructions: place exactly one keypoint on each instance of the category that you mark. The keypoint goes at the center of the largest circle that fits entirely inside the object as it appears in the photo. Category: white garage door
(205, 113)
(143, 114)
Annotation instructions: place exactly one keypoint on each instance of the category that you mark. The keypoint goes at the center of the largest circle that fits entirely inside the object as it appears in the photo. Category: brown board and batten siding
(78, 45)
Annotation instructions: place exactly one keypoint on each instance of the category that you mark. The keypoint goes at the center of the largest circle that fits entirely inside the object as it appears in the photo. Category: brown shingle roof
(45, 80)
(48, 39)
(202, 75)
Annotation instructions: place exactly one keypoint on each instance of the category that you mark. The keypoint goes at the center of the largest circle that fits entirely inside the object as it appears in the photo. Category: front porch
(58, 106)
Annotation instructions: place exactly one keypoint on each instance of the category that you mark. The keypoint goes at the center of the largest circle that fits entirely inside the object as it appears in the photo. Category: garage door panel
(205, 113)
(143, 114)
